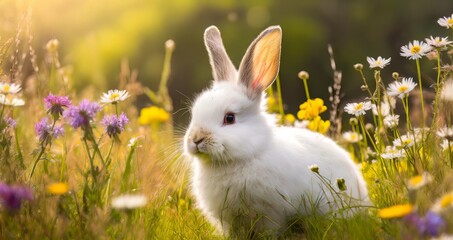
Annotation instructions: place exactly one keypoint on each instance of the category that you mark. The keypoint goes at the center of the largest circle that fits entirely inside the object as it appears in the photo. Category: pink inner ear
(261, 73)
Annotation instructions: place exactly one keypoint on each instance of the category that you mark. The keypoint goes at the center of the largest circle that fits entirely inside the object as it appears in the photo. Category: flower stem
(41, 152)
(280, 100)
(307, 93)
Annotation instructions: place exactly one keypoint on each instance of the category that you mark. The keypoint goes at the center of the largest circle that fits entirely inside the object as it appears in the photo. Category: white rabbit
(247, 171)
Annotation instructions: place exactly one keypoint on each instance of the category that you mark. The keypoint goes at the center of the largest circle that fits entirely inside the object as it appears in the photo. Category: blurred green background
(95, 35)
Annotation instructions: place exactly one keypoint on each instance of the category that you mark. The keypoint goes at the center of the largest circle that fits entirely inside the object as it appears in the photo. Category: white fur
(255, 171)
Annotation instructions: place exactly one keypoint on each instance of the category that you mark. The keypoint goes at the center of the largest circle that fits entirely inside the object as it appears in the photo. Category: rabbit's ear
(222, 68)
(261, 62)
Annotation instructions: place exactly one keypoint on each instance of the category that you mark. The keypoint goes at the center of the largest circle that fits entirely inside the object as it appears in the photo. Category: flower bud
(303, 75)
(353, 121)
(395, 75)
(358, 66)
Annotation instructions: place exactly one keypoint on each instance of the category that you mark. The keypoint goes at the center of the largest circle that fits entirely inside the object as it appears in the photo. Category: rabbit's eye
(229, 118)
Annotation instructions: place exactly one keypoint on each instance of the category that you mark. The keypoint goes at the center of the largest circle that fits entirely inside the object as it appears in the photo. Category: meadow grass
(90, 166)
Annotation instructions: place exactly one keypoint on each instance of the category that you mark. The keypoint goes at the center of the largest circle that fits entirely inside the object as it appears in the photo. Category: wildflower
(11, 197)
(55, 104)
(82, 115)
(391, 121)
(44, 130)
(114, 125)
(391, 152)
(443, 203)
(351, 137)
(129, 201)
(289, 119)
(438, 42)
(57, 188)
(9, 88)
(419, 181)
(9, 122)
(114, 96)
(384, 109)
(303, 75)
(396, 211)
(415, 50)
(395, 75)
(379, 62)
(446, 22)
(152, 115)
(52, 45)
(401, 89)
(170, 44)
(132, 142)
(445, 132)
(14, 102)
(314, 168)
(446, 94)
(358, 109)
(319, 125)
(429, 225)
(311, 109)
(341, 184)
(446, 145)
(404, 141)
(358, 66)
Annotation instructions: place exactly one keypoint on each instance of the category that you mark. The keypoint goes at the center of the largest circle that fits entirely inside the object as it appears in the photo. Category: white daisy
(133, 142)
(384, 110)
(129, 201)
(446, 93)
(415, 50)
(446, 145)
(404, 141)
(379, 62)
(446, 22)
(357, 109)
(14, 102)
(9, 88)
(391, 152)
(401, 89)
(438, 42)
(419, 181)
(444, 203)
(114, 96)
(352, 137)
(445, 132)
(391, 121)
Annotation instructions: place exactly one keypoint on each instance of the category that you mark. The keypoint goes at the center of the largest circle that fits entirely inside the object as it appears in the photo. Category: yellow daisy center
(58, 188)
(450, 21)
(415, 180)
(446, 201)
(396, 211)
(359, 106)
(6, 88)
(415, 49)
(407, 141)
(402, 88)
(114, 96)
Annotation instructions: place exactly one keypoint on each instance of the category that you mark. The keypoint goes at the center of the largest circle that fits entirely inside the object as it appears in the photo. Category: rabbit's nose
(198, 141)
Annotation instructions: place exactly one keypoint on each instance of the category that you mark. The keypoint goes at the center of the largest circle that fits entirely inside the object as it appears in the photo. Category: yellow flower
(152, 115)
(419, 181)
(57, 188)
(396, 211)
(318, 125)
(444, 203)
(311, 109)
(289, 119)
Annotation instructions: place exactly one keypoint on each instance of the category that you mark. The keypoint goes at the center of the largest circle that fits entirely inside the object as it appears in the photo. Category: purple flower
(55, 104)
(429, 225)
(80, 116)
(43, 129)
(11, 197)
(11, 123)
(433, 224)
(114, 125)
